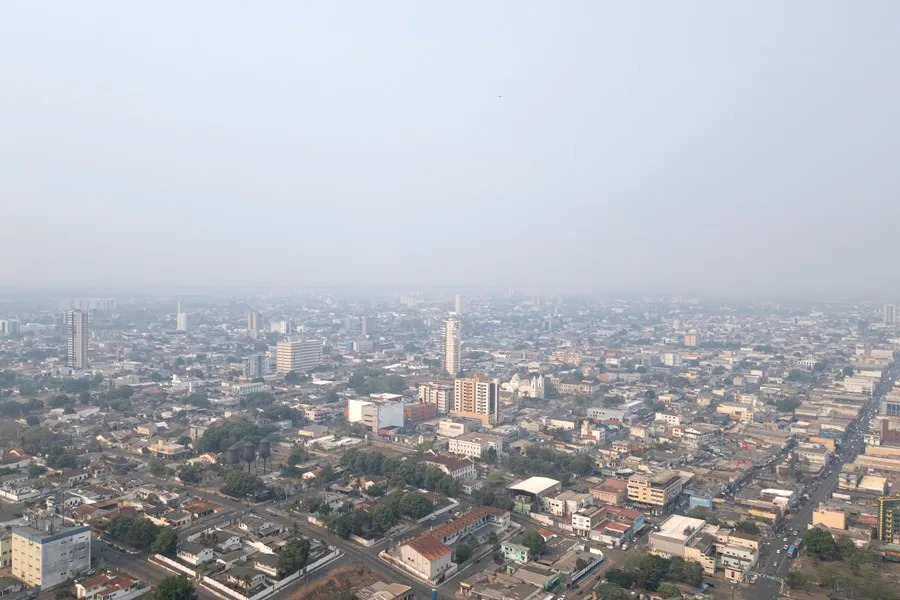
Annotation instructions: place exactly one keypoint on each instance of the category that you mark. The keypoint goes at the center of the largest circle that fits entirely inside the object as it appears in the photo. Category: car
(778, 552)
(625, 546)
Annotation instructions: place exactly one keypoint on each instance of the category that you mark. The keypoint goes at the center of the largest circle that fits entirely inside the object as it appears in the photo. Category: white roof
(534, 485)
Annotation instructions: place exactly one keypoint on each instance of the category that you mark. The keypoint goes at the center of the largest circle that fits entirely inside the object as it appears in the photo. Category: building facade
(450, 348)
(297, 355)
(77, 339)
(48, 558)
(477, 398)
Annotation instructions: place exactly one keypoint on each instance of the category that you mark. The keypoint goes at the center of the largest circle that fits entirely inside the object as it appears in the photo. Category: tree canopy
(176, 587)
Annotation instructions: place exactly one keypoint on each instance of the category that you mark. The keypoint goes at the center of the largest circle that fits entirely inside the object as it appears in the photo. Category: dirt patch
(337, 585)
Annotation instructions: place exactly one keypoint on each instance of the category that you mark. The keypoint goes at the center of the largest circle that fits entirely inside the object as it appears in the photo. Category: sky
(709, 147)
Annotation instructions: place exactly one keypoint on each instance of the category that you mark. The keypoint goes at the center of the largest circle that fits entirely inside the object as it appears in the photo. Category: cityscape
(469, 446)
(505, 300)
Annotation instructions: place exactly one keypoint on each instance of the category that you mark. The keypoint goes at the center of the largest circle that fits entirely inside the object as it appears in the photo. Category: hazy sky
(672, 146)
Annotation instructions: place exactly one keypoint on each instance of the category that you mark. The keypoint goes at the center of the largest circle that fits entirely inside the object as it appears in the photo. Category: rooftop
(534, 485)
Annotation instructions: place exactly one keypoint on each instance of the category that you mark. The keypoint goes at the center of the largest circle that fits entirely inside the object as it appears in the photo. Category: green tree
(292, 377)
(156, 468)
(820, 544)
(293, 557)
(32, 420)
(239, 483)
(463, 552)
(534, 542)
(166, 542)
(667, 590)
(176, 587)
(610, 591)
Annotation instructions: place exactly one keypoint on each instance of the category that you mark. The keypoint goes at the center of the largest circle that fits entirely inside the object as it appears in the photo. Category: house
(385, 591)
(245, 578)
(515, 552)
(265, 563)
(111, 586)
(426, 556)
(458, 468)
(194, 554)
(177, 519)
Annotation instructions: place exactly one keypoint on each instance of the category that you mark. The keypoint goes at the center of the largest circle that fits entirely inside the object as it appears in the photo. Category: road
(774, 561)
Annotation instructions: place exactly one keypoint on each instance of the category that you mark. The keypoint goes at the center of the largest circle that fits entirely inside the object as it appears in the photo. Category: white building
(375, 414)
(438, 393)
(48, 558)
(450, 335)
(76, 339)
(298, 356)
(9, 327)
(475, 445)
(256, 365)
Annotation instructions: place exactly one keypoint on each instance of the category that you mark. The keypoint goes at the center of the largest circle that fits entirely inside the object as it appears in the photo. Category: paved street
(777, 564)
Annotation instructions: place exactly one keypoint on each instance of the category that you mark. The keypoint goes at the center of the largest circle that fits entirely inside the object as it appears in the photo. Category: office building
(451, 345)
(76, 339)
(48, 553)
(254, 322)
(438, 393)
(297, 356)
(9, 327)
(182, 320)
(690, 340)
(375, 413)
(458, 306)
(256, 365)
(890, 314)
(364, 326)
(889, 518)
(659, 489)
(477, 398)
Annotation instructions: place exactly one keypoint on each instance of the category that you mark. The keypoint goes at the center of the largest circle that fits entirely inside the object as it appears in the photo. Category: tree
(463, 552)
(157, 468)
(292, 377)
(166, 542)
(667, 590)
(534, 542)
(610, 591)
(820, 544)
(176, 587)
(748, 527)
(293, 557)
(32, 420)
(239, 483)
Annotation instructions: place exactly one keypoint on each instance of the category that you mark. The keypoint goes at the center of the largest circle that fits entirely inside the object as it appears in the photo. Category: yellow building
(477, 398)
(48, 558)
(832, 519)
(658, 489)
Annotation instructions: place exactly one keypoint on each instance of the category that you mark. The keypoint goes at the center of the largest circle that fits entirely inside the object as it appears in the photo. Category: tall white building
(364, 326)
(76, 339)
(256, 365)
(9, 327)
(282, 327)
(375, 414)
(438, 393)
(450, 349)
(890, 314)
(297, 356)
(458, 306)
(254, 321)
(182, 320)
(49, 557)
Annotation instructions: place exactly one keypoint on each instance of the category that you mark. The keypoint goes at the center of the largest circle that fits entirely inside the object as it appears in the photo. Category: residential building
(247, 389)
(585, 519)
(690, 339)
(658, 489)
(256, 365)
(890, 314)
(298, 355)
(254, 323)
(77, 339)
(458, 305)
(450, 347)
(9, 327)
(182, 320)
(48, 553)
(477, 398)
(515, 552)
(385, 591)
(194, 554)
(439, 393)
(111, 586)
(475, 445)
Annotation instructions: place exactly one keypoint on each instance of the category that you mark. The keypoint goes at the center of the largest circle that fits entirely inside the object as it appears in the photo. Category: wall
(173, 565)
